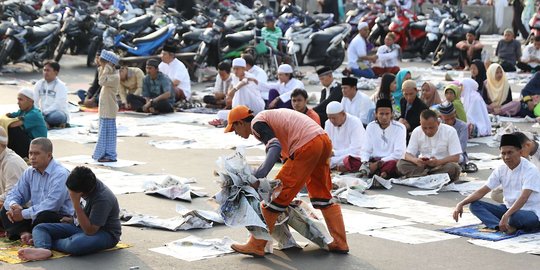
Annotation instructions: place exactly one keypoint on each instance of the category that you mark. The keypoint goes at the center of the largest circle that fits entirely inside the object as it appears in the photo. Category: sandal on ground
(470, 168)
(106, 160)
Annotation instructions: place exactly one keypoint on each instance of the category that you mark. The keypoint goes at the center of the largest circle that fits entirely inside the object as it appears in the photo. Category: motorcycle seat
(136, 22)
(233, 24)
(474, 23)
(47, 19)
(418, 25)
(322, 16)
(194, 34)
(326, 35)
(42, 31)
(238, 39)
(153, 36)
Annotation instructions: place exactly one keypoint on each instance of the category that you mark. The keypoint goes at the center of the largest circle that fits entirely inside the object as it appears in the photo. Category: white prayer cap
(334, 107)
(362, 25)
(27, 92)
(285, 68)
(239, 62)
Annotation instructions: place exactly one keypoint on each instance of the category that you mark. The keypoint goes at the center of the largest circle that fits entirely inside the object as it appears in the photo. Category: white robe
(387, 144)
(346, 139)
(360, 106)
(475, 108)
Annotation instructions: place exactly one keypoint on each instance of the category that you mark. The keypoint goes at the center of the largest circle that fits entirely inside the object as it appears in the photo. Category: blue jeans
(56, 118)
(366, 73)
(491, 214)
(70, 239)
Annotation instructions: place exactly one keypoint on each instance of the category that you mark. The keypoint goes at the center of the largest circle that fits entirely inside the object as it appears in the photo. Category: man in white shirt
(530, 60)
(384, 143)
(243, 89)
(346, 133)
(176, 71)
(433, 148)
(258, 73)
(387, 56)
(12, 167)
(355, 102)
(221, 87)
(520, 181)
(51, 96)
(359, 62)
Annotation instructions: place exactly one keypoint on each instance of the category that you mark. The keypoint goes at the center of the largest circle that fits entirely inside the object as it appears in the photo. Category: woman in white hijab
(477, 114)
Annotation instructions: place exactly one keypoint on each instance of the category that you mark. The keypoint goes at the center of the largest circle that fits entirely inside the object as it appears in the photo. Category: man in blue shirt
(157, 94)
(44, 184)
(28, 123)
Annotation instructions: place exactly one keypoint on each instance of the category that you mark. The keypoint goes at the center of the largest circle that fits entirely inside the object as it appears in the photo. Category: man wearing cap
(384, 143)
(347, 135)
(520, 181)
(359, 62)
(355, 102)
(411, 106)
(12, 167)
(299, 103)
(26, 124)
(279, 93)
(244, 88)
(176, 71)
(433, 148)
(44, 185)
(307, 149)
(158, 92)
(131, 82)
(331, 92)
(448, 116)
(51, 96)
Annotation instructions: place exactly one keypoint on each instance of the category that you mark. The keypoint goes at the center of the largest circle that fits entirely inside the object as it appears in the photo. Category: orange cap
(236, 114)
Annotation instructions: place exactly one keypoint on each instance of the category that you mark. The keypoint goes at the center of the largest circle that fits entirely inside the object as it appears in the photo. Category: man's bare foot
(34, 254)
(26, 238)
(511, 230)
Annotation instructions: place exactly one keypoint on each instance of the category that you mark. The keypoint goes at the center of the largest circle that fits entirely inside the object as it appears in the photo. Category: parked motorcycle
(32, 45)
(325, 47)
(454, 31)
(381, 27)
(410, 33)
(75, 33)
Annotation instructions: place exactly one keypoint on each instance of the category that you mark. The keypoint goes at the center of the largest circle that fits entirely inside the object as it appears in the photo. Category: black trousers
(14, 230)
(517, 25)
(19, 141)
(137, 103)
(526, 67)
(507, 66)
(464, 60)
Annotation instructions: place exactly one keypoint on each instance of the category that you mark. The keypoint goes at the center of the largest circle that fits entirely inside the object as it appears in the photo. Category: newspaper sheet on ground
(174, 189)
(193, 248)
(430, 214)
(189, 219)
(239, 205)
(356, 221)
(409, 235)
(526, 243)
(359, 199)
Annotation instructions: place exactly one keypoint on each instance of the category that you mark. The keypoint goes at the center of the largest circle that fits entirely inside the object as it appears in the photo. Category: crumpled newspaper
(189, 219)
(174, 189)
(239, 206)
(433, 183)
(360, 184)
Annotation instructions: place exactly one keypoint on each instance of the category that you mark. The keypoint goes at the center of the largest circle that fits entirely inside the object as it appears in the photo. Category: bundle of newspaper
(239, 205)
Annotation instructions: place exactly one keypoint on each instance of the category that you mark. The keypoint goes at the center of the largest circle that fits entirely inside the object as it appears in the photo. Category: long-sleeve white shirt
(357, 48)
(176, 70)
(285, 90)
(247, 95)
(388, 56)
(359, 106)
(51, 96)
(528, 52)
(346, 139)
(259, 74)
(387, 144)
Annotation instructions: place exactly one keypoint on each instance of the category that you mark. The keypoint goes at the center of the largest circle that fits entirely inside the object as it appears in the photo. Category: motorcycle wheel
(93, 49)
(336, 57)
(61, 49)
(5, 50)
(440, 53)
(427, 48)
(374, 36)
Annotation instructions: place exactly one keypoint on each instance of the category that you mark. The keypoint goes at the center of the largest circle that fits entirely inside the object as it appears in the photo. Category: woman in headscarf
(497, 92)
(452, 92)
(388, 86)
(429, 94)
(478, 73)
(477, 114)
(401, 76)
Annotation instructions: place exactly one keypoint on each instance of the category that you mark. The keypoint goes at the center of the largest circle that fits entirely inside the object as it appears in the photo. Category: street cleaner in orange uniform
(307, 149)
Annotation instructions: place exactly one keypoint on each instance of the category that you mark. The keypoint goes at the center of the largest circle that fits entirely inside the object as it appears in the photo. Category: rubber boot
(254, 246)
(334, 221)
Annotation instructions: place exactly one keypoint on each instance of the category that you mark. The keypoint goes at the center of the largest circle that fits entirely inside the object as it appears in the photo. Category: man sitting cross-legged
(384, 142)
(96, 227)
(433, 148)
(520, 181)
